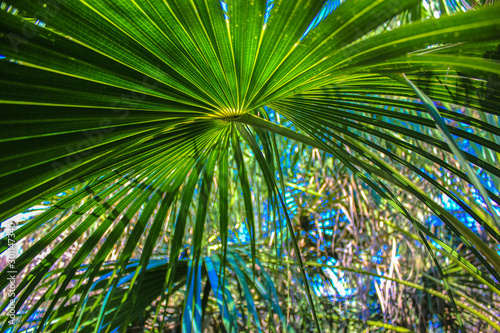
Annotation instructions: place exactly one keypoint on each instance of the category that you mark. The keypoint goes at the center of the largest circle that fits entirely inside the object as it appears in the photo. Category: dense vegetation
(250, 165)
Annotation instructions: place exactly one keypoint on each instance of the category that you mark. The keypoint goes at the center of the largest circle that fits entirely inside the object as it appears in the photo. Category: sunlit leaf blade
(455, 149)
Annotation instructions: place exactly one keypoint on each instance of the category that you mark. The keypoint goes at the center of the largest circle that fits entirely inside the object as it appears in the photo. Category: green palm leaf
(151, 119)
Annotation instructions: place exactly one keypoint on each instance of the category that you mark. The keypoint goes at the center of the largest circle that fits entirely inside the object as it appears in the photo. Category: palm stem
(261, 123)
